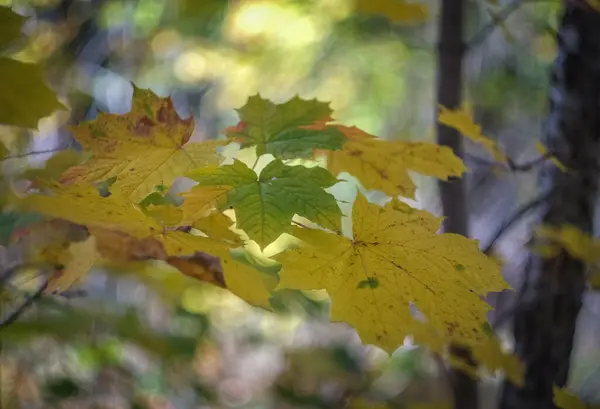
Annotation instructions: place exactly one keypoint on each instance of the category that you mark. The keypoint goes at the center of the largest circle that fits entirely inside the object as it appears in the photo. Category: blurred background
(160, 340)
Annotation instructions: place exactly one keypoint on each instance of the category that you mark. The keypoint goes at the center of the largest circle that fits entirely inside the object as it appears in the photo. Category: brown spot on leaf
(201, 266)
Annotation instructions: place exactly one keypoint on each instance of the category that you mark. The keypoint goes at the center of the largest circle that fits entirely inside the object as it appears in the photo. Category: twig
(511, 165)
(497, 19)
(13, 316)
(32, 153)
(521, 212)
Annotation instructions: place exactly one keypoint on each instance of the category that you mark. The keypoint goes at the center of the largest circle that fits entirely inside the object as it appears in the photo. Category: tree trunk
(544, 324)
(451, 49)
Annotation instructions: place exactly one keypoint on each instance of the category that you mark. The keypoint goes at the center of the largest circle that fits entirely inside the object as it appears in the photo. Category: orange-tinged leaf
(395, 258)
(384, 165)
(144, 148)
(398, 11)
(462, 120)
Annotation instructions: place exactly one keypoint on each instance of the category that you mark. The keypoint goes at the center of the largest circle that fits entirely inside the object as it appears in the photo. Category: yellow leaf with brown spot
(120, 248)
(462, 120)
(395, 258)
(80, 259)
(384, 165)
(144, 148)
(398, 11)
(246, 282)
(201, 266)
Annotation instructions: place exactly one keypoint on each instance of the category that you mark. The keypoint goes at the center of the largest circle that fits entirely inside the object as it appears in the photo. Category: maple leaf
(83, 205)
(241, 279)
(81, 257)
(218, 226)
(201, 201)
(265, 205)
(124, 234)
(544, 152)
(25, 97)
(144, 148)
(398, 11)
(567, 400)
(383, 165)
(462, 120)
(490, 355)
(395, 258)
(55, 166)
(576, 242)
(279, 129)
(10, 26)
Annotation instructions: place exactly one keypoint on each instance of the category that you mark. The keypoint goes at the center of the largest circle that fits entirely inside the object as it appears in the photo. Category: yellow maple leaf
(124, 234)
(567, 400)
(384, 165)
(487, 352)
(490, 355)
(82, 204)
(218, 226)
(398, 11)
(544, 152)
(201, 201)
(241, 279)
(462, 120)
(80, 259)
(578, 243)
(395, 258)
(144, 148)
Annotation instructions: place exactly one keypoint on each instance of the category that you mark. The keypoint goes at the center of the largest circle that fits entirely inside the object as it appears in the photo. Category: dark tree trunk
(544, 323)
(451, 49)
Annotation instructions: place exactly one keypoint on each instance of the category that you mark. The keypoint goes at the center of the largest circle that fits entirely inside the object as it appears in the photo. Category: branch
(511, 165)
(497, 19)
(13, 316)
(4, 281)
(520, 213)
(32, 153)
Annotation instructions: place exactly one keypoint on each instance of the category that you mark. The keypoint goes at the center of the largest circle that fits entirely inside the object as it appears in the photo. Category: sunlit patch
(190, 67)
(165, 41)
(273, 23)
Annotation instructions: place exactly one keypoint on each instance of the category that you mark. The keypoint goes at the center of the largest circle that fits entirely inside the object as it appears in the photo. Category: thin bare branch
(14, 315)
(518, 215)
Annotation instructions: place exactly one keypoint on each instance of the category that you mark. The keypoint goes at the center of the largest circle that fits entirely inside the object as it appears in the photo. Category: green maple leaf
(283, 129)
(10, 26)
(265, 204)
